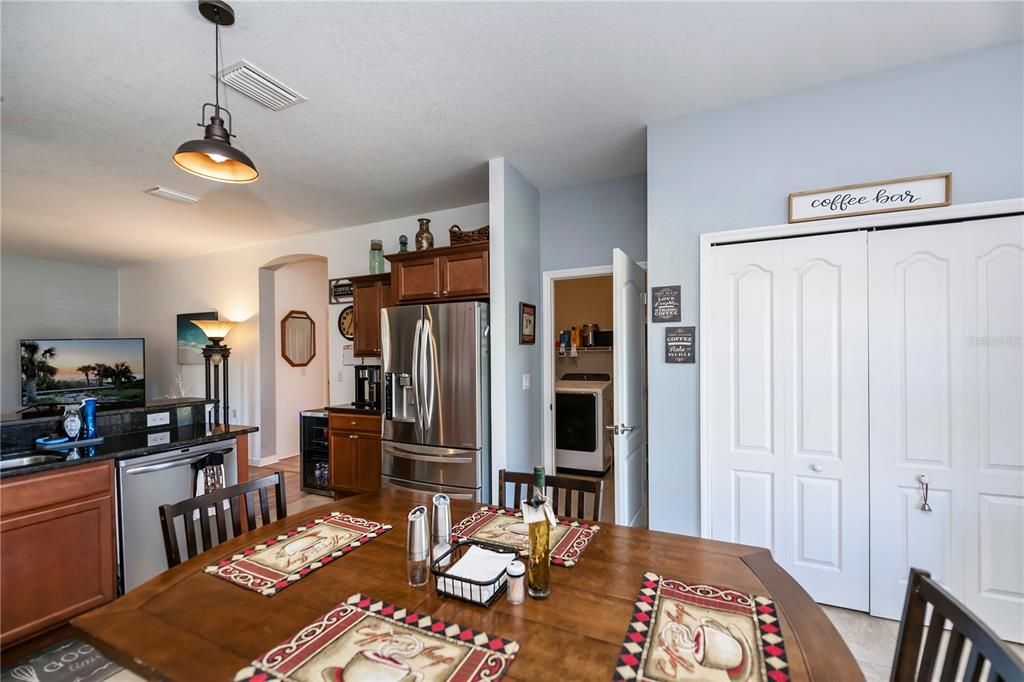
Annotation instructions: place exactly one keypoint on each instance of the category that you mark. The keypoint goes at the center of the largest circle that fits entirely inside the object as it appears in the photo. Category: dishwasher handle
(166, 465)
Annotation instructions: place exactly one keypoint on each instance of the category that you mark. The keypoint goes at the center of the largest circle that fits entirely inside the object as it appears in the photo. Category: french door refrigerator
(436, 426)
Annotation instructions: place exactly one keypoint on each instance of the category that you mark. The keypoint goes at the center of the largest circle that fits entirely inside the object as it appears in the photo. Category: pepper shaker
(418, 547)
(441, 526)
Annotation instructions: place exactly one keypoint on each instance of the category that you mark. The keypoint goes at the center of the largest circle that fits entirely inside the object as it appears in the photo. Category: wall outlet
(234, 413)
(526, 381)
(158, 419)
(161, 438)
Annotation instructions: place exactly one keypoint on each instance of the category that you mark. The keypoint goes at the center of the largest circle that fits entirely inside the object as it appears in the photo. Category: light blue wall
(515, 240)
(579, 226)
(734, 167)
(51, 299)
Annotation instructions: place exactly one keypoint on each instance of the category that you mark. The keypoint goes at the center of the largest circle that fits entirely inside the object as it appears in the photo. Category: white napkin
(478, 564)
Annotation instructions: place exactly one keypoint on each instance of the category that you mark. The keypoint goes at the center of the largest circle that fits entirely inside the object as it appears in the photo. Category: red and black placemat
(273, 565)
(506, 527)
(701, 632)
(366, 639)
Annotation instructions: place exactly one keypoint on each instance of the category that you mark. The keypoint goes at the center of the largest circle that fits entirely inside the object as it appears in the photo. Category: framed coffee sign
(666, 304)
(885, 196)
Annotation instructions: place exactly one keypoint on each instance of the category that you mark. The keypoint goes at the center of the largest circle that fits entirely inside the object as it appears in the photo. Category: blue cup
(89, 417)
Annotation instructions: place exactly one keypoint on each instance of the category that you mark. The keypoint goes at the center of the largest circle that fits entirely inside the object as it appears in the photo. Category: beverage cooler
(315, 453)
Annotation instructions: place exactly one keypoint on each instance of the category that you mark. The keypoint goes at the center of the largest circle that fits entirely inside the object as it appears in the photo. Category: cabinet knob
(435, 293)
(444, 293)
(816, 468)
(353, 422)
(353, 436)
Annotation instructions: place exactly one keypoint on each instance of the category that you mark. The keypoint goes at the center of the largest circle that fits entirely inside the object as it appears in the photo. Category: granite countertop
(350, 408)
(126, 446)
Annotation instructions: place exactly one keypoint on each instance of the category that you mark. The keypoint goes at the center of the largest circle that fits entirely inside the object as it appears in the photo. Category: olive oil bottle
(536, 514)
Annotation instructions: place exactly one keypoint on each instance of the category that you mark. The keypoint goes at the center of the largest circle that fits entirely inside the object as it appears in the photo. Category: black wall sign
(680, 345)
(339, 290)
(666, 304)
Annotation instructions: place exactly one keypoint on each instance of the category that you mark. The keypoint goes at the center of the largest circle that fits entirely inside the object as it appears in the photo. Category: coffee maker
(367, 387)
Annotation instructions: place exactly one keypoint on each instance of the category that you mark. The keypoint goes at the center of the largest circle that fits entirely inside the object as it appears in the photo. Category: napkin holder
(465, 589)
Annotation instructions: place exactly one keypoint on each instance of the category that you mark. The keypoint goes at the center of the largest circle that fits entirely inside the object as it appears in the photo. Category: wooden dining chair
(522, 484)
(967, 628)
(211, 505)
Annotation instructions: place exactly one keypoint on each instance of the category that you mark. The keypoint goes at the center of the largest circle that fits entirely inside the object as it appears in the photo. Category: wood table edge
(805, 622)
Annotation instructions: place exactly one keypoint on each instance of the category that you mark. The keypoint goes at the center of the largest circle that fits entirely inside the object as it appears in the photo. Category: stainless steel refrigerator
(436, 426)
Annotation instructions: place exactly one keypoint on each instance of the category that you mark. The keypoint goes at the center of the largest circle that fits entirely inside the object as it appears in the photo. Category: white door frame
(904, 218)
(547, 341)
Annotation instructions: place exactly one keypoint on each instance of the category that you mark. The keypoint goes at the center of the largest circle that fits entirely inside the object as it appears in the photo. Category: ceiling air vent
(172, 194)
(258, 86)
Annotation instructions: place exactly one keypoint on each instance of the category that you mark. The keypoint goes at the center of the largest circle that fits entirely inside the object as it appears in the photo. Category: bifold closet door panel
(946, 378)
(788, 407)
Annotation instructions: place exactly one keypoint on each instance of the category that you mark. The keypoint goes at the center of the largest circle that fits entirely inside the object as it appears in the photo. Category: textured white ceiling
(406, 102)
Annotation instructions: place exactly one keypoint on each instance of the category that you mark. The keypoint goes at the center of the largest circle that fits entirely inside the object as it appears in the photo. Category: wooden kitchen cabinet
(56, 547)
(370, 293)
(450, 273)
(355, 452)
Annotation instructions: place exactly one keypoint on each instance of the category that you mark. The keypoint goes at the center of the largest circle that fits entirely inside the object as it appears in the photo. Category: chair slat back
(561, 492)
(916, 663)
(207, 510)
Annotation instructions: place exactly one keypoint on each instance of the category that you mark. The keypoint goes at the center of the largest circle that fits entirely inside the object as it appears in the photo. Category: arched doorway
(293, 282)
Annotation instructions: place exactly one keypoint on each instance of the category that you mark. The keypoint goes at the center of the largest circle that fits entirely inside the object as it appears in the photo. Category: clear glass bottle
(376, 257)
(538, 570)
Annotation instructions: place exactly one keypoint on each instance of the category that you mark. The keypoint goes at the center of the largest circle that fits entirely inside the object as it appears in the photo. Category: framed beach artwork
(191, 338)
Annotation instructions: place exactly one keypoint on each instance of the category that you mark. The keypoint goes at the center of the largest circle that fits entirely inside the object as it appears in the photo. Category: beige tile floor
(873, 640)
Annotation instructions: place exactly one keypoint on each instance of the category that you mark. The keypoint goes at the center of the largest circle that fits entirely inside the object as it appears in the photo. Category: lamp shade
(214, 329)
(215, 160)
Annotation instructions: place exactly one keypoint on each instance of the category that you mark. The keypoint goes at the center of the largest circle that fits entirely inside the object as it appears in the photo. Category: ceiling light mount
(213, 157)
(217, 12)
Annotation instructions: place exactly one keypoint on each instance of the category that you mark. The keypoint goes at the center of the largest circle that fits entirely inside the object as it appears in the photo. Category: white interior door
(628, 285)
(947, 376)
(787, 364)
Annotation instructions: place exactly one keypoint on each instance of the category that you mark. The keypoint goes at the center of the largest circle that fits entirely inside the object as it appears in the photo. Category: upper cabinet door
(369, 295)
(465, 275)
(417, 280)
(447, 273)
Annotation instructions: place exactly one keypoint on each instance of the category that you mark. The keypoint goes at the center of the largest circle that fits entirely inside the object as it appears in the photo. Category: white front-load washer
(583, 407)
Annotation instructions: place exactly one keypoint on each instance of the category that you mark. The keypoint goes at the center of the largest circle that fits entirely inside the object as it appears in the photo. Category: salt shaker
(417, 546)
(516, 582)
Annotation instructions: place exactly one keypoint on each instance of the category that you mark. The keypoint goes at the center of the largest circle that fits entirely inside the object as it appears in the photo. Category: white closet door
(947, 370)
(788, 407)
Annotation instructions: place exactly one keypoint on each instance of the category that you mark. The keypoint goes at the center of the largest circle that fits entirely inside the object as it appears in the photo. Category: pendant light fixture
(213, 157)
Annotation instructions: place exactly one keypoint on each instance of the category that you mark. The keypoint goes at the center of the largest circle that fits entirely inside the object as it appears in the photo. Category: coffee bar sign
(903, 194)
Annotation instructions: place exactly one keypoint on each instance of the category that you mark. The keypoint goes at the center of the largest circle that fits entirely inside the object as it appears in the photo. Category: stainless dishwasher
(143, 485)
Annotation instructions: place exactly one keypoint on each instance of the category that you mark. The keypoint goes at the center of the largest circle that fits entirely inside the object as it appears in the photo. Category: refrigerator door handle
(428, 368)
(417, 340)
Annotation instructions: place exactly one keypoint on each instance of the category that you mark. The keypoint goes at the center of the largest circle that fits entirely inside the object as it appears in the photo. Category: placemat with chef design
(506, 527)
(366, 640)
(701, 632)
(273, 565)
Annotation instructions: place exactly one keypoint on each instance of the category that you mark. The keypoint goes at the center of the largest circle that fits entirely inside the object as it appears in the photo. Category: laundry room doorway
(581, 431)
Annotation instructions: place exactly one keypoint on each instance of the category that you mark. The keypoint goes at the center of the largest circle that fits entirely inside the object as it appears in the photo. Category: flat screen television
(63, 371)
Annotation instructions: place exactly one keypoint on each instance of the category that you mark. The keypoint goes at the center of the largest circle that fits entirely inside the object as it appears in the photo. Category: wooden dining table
(186, 624)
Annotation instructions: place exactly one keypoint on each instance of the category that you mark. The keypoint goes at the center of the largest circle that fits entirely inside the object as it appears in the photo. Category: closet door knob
(816, 468)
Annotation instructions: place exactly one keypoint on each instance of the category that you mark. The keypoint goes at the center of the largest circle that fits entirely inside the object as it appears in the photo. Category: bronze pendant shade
(213, 157)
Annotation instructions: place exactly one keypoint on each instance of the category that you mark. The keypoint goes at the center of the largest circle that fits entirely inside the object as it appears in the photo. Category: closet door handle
(816, 468)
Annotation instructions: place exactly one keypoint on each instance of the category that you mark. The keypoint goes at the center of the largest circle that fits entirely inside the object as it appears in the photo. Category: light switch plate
(158, 419)
(526, 381)
(161, 438)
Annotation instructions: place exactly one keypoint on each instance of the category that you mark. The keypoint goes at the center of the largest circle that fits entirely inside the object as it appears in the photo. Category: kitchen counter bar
(128, 445)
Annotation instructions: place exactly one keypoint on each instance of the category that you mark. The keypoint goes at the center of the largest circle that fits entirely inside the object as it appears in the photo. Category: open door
(628, 287)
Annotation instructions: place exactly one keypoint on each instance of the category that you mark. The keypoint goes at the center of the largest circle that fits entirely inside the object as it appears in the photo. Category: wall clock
(347, 323)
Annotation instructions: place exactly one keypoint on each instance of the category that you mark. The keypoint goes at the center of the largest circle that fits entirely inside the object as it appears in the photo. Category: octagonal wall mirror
(298, 338)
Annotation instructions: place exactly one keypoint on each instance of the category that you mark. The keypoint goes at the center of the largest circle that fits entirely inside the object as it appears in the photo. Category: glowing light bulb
(217, 158)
